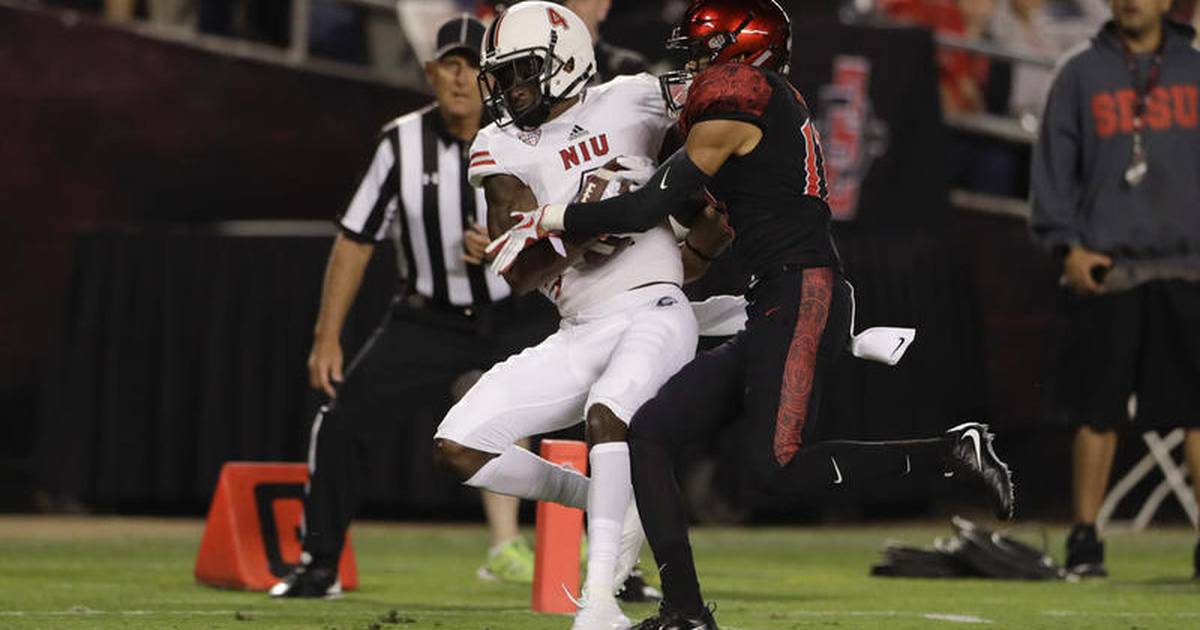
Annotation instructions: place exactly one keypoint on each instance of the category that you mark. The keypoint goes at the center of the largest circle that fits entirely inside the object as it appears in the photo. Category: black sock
(856, 465)
(664, 517)
(1083, 532)
(324, 561)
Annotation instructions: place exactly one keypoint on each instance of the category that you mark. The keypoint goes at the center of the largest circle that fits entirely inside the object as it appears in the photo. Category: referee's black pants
(769, 378)
(406, 378)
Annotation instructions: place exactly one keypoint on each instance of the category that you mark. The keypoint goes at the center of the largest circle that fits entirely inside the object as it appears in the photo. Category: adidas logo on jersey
(577, 132)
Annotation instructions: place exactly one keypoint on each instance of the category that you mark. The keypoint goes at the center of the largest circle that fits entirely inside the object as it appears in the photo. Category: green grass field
(137, 573)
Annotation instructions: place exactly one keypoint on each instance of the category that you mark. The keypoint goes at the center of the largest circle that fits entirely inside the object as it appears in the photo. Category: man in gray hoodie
(1116, 198)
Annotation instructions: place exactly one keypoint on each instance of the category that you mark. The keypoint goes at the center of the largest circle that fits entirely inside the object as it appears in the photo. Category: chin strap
(533, 117)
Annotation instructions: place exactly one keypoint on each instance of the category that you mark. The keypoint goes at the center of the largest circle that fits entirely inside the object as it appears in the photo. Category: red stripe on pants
(812, 178)
(801, 365)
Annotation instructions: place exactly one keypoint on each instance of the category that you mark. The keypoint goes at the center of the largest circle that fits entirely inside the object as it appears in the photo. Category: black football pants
(769, 378)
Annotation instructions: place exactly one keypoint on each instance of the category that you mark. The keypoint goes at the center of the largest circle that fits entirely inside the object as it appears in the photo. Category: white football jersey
(624, 117)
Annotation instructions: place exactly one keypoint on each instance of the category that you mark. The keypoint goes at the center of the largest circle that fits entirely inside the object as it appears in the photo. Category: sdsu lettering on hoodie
(1079, 191)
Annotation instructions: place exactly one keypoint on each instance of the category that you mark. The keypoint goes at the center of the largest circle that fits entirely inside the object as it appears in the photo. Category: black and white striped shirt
(419, 174)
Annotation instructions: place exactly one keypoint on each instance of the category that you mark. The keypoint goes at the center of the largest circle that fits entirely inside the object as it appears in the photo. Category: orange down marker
(559, 532)
(251, 539)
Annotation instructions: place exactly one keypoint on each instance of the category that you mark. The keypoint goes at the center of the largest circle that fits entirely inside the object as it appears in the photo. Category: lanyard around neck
(1143, 90)
(1135, 173)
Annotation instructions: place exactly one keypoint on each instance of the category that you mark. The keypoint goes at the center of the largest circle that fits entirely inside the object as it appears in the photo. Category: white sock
(608, 502)
(519, 473)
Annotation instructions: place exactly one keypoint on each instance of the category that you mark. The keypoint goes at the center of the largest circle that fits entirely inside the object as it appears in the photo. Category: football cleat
(600, 613)
(510, 561)
(670, 619)
(1085, 552)
(309, 582)
(972, 452)
(635, 589)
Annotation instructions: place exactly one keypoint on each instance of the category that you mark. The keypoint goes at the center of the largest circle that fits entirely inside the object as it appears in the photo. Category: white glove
(531, 227)
(638, 171)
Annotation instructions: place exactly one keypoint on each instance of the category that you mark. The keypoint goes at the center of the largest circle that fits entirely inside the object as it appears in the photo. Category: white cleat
(600, 613)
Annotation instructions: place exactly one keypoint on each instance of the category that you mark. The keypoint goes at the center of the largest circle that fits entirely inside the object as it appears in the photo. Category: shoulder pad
(732, 91)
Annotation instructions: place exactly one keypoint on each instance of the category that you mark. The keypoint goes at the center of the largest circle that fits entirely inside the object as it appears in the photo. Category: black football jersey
(776, 194)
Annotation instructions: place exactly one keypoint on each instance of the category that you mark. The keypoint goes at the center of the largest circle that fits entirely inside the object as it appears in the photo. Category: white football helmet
(534, 55)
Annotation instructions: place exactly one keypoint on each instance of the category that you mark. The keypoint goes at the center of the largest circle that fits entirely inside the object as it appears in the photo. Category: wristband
(552, 217)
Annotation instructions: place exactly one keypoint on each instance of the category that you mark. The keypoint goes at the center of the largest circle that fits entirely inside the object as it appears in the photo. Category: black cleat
(309, 581)
(972, 453)
(637, 591)
(1085, 552)
(670, 619)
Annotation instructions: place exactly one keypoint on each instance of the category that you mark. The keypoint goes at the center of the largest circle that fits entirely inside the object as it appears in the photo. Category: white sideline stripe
(956, 618)
(1117, 613)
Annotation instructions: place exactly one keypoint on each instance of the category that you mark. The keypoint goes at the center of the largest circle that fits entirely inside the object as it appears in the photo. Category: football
(596, 184)
(599, 185)
(539, 263)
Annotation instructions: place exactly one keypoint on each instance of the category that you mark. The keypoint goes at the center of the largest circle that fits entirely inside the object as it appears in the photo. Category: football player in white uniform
(626, 325)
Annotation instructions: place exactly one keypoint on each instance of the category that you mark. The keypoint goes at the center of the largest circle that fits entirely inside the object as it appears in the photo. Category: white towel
(725, 315)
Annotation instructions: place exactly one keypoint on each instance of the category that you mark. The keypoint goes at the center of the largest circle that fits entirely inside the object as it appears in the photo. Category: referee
(454, 318)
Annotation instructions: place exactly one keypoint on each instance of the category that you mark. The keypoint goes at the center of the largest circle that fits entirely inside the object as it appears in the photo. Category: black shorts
(1143, 342)
(770, 376)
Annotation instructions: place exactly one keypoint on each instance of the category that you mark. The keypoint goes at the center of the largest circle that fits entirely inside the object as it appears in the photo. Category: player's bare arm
(710, 143)
(505, 195)
(343, 275)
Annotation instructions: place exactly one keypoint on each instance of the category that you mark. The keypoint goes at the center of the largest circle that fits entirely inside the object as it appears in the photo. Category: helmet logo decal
(556, 20)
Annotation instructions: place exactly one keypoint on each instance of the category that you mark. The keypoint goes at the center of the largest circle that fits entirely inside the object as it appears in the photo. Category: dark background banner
(874, 93)
(182, 349)
(102, 126)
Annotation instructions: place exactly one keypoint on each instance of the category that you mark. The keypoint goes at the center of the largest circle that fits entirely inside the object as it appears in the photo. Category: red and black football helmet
(755, 32)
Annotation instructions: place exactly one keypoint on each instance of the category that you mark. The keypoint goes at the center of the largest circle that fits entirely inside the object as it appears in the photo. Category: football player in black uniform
(750, 140)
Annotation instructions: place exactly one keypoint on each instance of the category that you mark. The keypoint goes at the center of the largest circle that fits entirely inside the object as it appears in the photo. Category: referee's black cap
(460, 34)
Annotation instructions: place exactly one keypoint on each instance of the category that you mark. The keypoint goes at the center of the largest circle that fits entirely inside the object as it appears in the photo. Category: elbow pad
(668, 189)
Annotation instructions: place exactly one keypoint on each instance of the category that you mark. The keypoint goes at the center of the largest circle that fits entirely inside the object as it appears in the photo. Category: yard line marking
(90, 611)
(1118, 613)
(956, 618)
